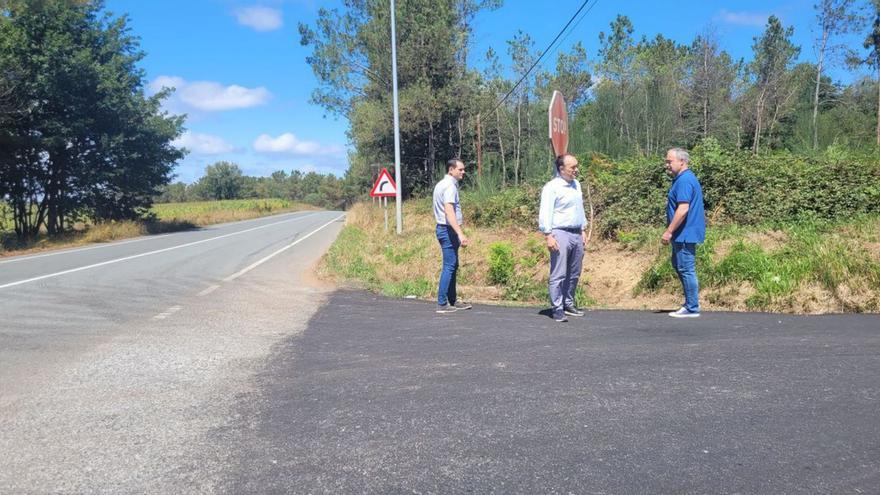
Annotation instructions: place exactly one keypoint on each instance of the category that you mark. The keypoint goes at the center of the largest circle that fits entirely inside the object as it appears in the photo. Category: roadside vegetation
(803, 267)
(789, 158)
(162, 218)
(786, 233)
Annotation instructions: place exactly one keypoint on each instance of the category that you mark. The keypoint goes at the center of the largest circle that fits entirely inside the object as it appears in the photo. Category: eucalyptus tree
(872, 58)
(774, 55)
(352, 61)
(710, 88)
(834, 18)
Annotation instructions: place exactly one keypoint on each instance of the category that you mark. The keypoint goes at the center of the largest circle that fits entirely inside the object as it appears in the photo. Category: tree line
(225, 180)
(635, 98)
(79, 137)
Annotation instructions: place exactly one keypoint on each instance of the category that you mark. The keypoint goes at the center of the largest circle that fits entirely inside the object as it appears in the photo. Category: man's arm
(681, 212)
(545, 217)
(453, 222)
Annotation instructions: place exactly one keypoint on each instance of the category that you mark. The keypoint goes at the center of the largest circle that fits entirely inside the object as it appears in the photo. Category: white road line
(104, 245)
(168, 312)
(209, 290)
(285, 248)
(149, 253)
(67, 251)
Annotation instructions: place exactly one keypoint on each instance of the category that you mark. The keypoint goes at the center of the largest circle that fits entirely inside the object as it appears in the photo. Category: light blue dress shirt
(562, 206)
(446, 191)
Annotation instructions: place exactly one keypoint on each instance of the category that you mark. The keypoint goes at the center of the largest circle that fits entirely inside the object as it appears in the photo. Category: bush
(501, 263)
(741, 188)
(514, 206)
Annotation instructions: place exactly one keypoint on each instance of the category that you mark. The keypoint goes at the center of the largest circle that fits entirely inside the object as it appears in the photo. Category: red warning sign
(384, 186)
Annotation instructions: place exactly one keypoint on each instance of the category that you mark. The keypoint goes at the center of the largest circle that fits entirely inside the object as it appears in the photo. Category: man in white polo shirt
(562, 220)
(447, 212)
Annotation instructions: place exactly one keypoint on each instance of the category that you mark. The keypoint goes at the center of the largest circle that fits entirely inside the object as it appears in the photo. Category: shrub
(501, 263)
(514, 206)
(741, 188)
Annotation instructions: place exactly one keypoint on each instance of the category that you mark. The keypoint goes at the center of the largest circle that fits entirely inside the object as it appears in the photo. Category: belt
(573, 230)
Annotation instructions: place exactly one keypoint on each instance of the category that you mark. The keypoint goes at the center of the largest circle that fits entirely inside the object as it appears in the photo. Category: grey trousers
(565, 268)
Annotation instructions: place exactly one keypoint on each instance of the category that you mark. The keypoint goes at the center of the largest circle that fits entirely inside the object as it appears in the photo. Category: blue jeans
(684, 261)
(449, 244)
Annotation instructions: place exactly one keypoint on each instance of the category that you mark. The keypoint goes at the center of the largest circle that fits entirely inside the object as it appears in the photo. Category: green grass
(825, 253)
(811, 264)
(399, 255)
(345, 257)
(418, 287)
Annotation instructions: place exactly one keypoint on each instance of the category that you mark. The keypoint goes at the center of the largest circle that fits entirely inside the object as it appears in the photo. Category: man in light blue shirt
(447, 213)
(562, 220)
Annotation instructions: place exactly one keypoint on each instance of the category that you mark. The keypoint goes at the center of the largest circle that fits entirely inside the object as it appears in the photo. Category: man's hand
(463, 240)
(584, 237)
(666, 237)
(552, 245)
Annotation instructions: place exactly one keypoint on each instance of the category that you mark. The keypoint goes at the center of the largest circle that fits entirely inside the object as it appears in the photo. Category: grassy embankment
(169, 217)
(807, 267)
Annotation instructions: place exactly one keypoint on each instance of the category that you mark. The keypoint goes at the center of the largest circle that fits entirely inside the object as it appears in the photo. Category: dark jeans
(449, 244)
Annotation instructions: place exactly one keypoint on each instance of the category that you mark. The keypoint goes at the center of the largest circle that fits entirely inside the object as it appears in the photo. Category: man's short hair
(681, 154)
(560, 160)
(452, 163)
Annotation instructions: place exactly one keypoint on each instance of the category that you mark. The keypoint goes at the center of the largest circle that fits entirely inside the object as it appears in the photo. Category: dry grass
(410, 265)
(171, 217)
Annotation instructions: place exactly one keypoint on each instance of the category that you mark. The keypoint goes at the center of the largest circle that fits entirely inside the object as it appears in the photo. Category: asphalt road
(210, 362)
(122, 364)
(384, 396)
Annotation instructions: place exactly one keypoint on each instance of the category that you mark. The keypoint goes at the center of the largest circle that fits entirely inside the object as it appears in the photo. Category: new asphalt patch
(385, 396)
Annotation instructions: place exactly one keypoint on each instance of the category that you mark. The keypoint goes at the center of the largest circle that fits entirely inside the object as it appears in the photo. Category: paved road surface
(121, 369)
(383, 396)
(166, 365)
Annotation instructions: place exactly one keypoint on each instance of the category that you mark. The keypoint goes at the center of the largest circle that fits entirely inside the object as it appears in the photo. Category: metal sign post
(396, 122)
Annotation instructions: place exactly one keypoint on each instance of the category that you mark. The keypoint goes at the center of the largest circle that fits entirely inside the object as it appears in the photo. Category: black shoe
(559, 317)
(573, 311)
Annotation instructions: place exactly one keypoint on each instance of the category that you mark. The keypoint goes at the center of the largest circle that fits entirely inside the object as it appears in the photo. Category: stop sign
(558, 116)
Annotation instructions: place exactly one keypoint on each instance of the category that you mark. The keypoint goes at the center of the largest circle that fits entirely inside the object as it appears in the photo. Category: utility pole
(479, 148)
(396, 124)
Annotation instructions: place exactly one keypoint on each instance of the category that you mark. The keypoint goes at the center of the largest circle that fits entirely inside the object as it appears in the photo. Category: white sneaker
(684, 313)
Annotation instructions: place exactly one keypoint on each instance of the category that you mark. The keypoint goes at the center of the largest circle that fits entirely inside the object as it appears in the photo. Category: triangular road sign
(384, 186)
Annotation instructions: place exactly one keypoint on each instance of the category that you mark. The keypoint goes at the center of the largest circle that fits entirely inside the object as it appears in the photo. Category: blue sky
(242, 78)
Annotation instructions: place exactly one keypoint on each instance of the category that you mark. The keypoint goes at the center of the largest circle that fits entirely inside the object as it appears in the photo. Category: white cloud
(209, 95)
(742, 18)
(259, 18)
(166, 82)
(288, 144)
(203, 144)
(212, 96)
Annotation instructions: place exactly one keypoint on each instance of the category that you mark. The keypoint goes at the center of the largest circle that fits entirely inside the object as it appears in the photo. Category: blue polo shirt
(686, 189)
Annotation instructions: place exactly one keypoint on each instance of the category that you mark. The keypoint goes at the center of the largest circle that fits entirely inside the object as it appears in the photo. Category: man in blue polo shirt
(686, 228)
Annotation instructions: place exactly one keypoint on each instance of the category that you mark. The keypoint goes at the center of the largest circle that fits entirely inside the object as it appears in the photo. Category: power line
(546, 51)
(576, 24)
